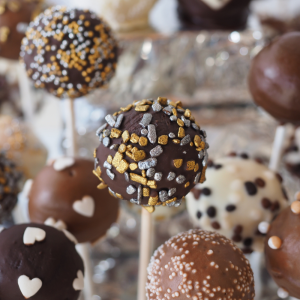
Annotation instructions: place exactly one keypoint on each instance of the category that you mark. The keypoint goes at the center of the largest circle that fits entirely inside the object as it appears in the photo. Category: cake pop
(199, 264)
(69, 52)
(151, 153)
(274, 78)
(282, 248)
(238, 194)
(9, 186)
(66, 192)
(39, 262)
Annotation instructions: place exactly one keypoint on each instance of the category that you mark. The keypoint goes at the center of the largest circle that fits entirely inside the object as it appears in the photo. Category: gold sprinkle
(190, 165)
(125, 136)
(4, 32)
(129, 154)
(143, 141)
(119, 196)
(178, 104)
(177, 163)
(180, 122)
(191, 144)
(146, 192)
(197, 140)
(150, 209)
(95, 153)
(144, 173)
(115, 133)
(196, 167)
(181, 132)
(117, 159)
(134, 149)
(172, 104)
(187, 184)
(102, 186)
(174, 111)
(142, 108)
(98, 172)
(187, 113)
(153, 200)
(203, 178)
(133, 166)
(134, 138)
(171, 200)
(112, 194)
(192, 118)
(138, 178)
(163, 140)
(109, 159)
(129, 147)
(162, 100)
(122, 148)
(152, 184)
(127, 108)
(175, 141)
(123, 166)
(139, 155)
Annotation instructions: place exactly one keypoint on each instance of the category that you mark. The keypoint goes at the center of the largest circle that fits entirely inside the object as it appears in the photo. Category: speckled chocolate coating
(274, 78)
(196, 14)
(283, 263)
(165, 161)
(53, 193)
(199, 264)
(76, 52)
(54, 261)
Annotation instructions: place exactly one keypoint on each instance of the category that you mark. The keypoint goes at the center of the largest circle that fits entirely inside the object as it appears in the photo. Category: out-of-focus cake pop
(282, 246)
(274, 78)
(69, 52)
(39, 262)
(238, 195)
(213, 14)
(199, 264)
(66, 192)
(22, 146)
(151, 153)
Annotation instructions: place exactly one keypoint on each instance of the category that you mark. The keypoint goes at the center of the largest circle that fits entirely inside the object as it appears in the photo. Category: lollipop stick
(277, 148)
(145, 251)
(70, 128)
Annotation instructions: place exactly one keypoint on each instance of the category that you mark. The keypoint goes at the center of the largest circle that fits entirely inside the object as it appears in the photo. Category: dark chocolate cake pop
(198, 265)
(9, 186)
(213, 14)
(274, 78)
(151, 153)
(39, 262)
(66, 192)
(69, 52)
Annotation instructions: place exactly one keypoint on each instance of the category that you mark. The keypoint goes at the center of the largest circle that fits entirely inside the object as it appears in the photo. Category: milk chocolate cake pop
(274, 78)
(151, 153)
(282, 246)
(238, 195)
(39, 262)
(213, 14)
(66, 192)
(199, 264)
(69, 52)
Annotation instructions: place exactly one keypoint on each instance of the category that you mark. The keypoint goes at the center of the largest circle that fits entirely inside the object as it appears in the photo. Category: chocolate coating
(76, 52)
(53, 260)
(198, 14)
(199, 263)
(283, 263)
(53, 194)
(172, 157)
(274, 78)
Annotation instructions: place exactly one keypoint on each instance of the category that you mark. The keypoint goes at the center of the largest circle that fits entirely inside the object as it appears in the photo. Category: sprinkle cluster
(199, 265)
(69, 52)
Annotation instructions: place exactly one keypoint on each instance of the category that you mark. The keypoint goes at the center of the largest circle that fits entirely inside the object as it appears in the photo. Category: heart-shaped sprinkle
(78, 283)
(85, 207)
(63, 163)
(27, 187)
(29, 287)
(60, 225)
(33, 234)
(70, 236)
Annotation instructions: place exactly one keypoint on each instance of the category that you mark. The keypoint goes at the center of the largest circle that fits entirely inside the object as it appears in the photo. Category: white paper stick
(70, 128)
(255, 260)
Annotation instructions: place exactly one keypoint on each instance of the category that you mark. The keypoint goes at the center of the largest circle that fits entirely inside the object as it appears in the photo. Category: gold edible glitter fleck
(172, 103)
(196, 167)
(162, 100)
(187, 184)
(143, 141)
(190, 165)
(180, 122)
(146, 192)
(191, 144)
(119, 196)
(144, 173)
(122, 148)
(171, 200)
(133, 166)
(112, 194)
(176, 141)
(95, 153)
(109, 159)
(102, 186)
(142, 107)
(4, 32)
(129, 154)
(178, 104)
(115, 133)
(150, 209)
(203, 178)
(117, 159)
(181, 132)
(125, 136)
(163, 140)
(127, 108)
(197, 140)
(138, 178)
(115, 114)
(174, 111)
(153, 200)
(134, 138)
(152, 184)
(139, 155)
(134, 149)
(123, 166)
(98, 172)
(177, 163)
(129, 147)
(187, 113)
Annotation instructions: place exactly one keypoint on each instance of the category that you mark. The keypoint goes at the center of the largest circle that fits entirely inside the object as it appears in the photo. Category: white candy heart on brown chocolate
(33, 234)
(85, 207)
(29, 287)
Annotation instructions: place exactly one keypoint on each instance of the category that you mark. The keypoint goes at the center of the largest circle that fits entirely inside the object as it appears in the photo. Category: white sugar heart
(216, 4)
(29, 287)
(78, 283)
(60, 225)
(33, 234)
(85, 207)
(63, 163)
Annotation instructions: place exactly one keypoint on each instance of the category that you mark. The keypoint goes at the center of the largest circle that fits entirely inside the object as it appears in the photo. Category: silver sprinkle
(110, 174)
(146, 120)
(169, 101)
(204, 133)
(106, 141)
(173, 118)
(114, 147)
(144, 132)
(139, 194)
(177, 203)
(146, 164)
(187, 122)
(185, 140)
(110, 120)
(197, 178)
(101, 138)
(100, 129)
(133, 201)
(168, 110)
(172, 135)
(157, 151)
(163, 196)
(130, 189)
(106, 132)
(196, 127)
(184, 152)
(114, 194)
(181, 110)
(107, 165)
(156, 106)
(201, 154)
(96, 162)
(152, 133)
(127, 178)
(171, 192)
(119, 121)
(180, 179)
(205, 160)
(206, 146)
(150, 172)
(171, 176)
(158, 176)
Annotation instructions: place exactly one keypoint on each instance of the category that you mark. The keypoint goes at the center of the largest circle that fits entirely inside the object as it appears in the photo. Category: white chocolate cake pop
(238, 195)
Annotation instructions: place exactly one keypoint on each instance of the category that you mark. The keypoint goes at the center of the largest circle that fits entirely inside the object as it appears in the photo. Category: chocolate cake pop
(9, 186)
(66, 192)
(274, 78)
(199, 265)
(238, 194)
(40, 263)
(69, 52)
(213, 14)
(151, 153)
(282, 250)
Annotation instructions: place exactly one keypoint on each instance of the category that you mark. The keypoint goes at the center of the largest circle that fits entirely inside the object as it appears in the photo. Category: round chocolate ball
(282, 246)
(66, 190)
(39, 263)
(9, 186)
(197, 264)
(274, 78)
(238, 195)
(212, 14)
(69, 52)
(151, 153)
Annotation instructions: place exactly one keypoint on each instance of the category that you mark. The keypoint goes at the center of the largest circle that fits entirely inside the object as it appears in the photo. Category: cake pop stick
(71, 128)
